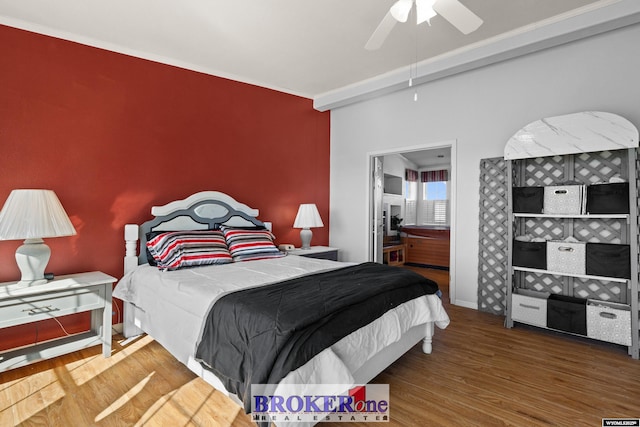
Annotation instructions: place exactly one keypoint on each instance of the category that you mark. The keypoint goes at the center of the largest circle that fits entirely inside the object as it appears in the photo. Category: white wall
(395, 164)
(480, 109)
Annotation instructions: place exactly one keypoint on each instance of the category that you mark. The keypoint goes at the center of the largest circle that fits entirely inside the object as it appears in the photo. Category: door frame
(452, 145)
(376, 205)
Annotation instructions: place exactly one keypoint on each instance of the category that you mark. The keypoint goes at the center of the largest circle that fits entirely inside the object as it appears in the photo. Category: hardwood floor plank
(480, 374)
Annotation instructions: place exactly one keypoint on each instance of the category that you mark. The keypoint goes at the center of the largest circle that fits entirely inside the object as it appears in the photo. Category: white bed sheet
(175, 304)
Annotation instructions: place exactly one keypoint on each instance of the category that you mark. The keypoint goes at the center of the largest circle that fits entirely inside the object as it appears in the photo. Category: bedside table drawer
(19, 310)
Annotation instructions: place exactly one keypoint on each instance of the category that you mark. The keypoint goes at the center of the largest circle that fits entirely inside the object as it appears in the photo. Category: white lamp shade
(34, 214)
(308, 217)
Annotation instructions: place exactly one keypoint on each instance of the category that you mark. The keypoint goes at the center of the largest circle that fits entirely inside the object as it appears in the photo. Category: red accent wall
(113, 135)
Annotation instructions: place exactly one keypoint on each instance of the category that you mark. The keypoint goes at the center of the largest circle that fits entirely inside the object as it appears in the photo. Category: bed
(171, 305)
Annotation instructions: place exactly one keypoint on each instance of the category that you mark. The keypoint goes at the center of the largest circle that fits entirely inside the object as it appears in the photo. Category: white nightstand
(320, 252)
(74, 293)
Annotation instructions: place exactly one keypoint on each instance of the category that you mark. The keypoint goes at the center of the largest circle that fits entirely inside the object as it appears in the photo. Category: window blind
(434, 212)
(411, 202)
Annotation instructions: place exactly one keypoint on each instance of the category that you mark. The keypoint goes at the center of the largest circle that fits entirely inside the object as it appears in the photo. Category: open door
(376, 209)
(420, 214)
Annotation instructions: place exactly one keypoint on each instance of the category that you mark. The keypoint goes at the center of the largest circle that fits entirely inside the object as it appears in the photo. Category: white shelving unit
(554, 145)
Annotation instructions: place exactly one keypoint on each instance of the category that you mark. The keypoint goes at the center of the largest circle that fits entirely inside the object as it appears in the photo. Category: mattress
(174, 304)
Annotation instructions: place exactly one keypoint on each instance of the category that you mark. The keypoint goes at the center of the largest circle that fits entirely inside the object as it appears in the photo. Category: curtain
(411, 175)
(434, 176)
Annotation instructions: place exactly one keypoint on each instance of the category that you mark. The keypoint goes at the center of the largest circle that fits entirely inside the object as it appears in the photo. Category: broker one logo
(360, 403)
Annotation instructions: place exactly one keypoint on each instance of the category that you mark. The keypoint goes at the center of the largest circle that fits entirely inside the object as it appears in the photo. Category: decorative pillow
(150, 236)
(247, 244)
(178, 249)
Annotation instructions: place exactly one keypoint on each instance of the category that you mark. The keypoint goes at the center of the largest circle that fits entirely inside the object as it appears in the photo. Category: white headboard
(200, 211)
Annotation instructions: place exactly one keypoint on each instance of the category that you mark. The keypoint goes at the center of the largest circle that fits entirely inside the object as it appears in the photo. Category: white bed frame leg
(427, 346)
(129, 328)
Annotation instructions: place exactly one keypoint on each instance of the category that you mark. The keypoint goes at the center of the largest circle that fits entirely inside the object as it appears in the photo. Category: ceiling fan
(452, 10)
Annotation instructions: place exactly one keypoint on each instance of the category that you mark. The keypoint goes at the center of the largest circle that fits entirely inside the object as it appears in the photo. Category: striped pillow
(178, 249)
(250, 244)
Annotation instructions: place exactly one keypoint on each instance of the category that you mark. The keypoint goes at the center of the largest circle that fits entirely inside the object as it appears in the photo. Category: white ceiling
(428, 158)
(311, 48)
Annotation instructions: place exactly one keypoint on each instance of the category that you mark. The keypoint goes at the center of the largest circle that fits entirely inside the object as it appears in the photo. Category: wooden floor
(480, 374)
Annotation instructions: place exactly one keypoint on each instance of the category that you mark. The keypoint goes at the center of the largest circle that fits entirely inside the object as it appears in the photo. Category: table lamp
(307, 218)
(33, 215)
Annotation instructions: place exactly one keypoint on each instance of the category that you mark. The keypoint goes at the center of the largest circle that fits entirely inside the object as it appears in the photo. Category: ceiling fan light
(400, 10)
(424, 11)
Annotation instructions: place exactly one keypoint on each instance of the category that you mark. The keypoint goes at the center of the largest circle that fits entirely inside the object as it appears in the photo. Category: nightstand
(319, 252)
(74, 293)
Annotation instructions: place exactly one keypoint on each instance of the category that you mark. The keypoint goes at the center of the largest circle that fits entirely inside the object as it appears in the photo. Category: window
(435, 190)
(411, 202)
(434, 206)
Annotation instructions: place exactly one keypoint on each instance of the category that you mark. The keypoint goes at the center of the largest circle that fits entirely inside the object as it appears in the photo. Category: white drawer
(566, 257)
(609, 322)
(530, 310)
(563, 199)
(19, 310)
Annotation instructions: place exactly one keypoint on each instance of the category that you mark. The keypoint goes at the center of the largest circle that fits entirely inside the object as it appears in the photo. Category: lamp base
(32, 259)
(305, 237)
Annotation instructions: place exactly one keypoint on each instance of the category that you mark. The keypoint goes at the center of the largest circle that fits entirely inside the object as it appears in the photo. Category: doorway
(399, 218)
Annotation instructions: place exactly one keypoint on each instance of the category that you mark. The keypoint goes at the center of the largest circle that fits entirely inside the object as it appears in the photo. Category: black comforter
(259, 335)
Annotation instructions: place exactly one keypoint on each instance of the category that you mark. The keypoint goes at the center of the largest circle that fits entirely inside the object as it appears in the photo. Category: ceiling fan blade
(400, 10)
(381, 32)
(424, 11)
(458, 15)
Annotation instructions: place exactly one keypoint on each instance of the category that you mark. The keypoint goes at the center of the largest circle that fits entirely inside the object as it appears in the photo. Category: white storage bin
(564, 199)
(566, 257)
(530, 310)
(609, 322)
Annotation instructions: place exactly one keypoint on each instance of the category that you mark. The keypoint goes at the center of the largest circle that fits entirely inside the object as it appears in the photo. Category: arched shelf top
(582, 132)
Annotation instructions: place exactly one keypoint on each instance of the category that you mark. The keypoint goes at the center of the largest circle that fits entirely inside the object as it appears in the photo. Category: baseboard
(466, 304)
